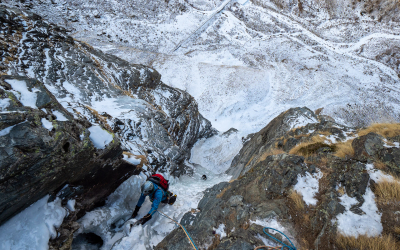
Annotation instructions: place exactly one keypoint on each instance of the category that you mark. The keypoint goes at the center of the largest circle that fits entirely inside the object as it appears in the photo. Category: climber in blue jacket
(156, 195)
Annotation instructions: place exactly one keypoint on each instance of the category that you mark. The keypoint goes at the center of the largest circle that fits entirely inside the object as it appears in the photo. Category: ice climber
(156, 187)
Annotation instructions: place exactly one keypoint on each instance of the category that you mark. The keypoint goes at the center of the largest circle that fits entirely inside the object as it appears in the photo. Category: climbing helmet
(147, 188)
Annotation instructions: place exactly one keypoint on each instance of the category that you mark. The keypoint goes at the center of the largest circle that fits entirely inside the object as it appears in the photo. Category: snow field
(216, 153)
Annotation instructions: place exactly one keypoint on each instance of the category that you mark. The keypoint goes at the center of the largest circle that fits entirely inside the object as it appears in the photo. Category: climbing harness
(184, 229)
(284, 246)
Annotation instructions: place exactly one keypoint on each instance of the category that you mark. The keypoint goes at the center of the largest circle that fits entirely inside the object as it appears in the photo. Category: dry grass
(306, 219)
(318, 111)
(101, 118)
(388, 190)
(222, 192)
(142, 158)
(320, 162)
(384, 242)
(380, 165)
(396, 230)
(341, 191)
(270, 152)
(344, 149)
(297, 199)
(325, 133)
(384, 129)
(310, 147)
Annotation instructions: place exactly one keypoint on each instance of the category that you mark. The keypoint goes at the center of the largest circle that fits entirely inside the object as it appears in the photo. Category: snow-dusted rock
(41, 150)
(147, 115)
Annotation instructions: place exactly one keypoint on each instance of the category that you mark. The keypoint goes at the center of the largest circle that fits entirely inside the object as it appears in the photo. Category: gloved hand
(135, 212)
(145, 219)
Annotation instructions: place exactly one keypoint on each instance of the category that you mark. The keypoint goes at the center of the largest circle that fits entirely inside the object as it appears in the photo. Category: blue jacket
(156, 197)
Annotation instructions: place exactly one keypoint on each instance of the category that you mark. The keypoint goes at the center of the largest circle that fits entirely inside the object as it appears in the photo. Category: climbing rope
(280, 242)
(184, 229)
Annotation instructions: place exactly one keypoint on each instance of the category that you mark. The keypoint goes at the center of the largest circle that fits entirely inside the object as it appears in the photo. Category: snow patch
(4, 103)
(308, 186)
(33, 227)
(26, 97)
(100, 137)
(351, 224)
(71, 205)
(220, 230)
(377, 175)
(47, 124)
(60, 116)
(6, 131)
(132, 159)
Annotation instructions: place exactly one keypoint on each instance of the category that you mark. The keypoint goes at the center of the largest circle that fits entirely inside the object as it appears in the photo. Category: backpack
(163, 183)
(160, 181)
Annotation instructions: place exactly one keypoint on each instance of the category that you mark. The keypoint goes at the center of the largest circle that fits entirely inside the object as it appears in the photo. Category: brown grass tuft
(142, 158)
(318, 111)
(341, 191)
(379, 165)
(311, 146)
(270, 152)
(297, 199)
(396, 230)
(388, 190)
(384, 242)
(384, 129)
(101, 118)
(344, 149)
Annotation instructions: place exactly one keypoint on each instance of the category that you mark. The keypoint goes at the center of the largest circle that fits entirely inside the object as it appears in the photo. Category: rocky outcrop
(264, 139)
(44, 148)
(236, 204)
(149, 117)
(272, 167)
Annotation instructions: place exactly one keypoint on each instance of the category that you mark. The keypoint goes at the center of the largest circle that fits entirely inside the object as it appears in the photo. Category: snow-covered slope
(253, 61)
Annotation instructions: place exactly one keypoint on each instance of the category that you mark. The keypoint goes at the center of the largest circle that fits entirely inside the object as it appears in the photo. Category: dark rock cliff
(43, 148)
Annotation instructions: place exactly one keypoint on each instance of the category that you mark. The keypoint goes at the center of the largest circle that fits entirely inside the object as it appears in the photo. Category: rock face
(262, 140)
(150, 118)
(271, 171)
(238, 203)
(43, 148)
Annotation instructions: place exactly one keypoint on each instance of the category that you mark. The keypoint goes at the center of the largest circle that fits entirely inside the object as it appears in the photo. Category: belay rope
(284, 246)
(184, 229)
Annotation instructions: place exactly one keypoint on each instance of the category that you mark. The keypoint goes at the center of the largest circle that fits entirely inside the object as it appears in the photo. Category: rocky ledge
(316, 180)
